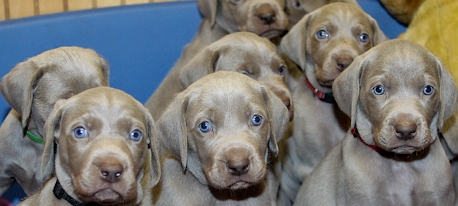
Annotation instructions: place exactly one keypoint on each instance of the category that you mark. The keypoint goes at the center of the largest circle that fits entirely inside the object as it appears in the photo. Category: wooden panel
(79, 4)
(108, 3)
(21, 8)
(136, 1)
(2, 10)
(50, 6)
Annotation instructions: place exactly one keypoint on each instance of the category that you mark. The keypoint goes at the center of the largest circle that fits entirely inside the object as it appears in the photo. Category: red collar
(355, 133)
(325, 97)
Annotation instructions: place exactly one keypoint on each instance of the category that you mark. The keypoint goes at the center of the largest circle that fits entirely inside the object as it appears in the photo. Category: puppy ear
(208, 8)
(51, 133)
(18, 86)
(278, 117)
(174, 133)
(448, 94)
(153, 134)
(202, 64)
(293, 44)
(346, 86)
(379, 36)
(106, 71)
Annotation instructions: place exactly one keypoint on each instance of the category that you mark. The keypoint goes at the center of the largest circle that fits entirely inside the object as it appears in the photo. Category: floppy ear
(293, 44)
(448, 94)
(153, 134)
(379, 36)
(106, 71)
(278, 117)
(174, 133)
(202, 64)
(208, 8)
(346, 86)
(51, 133)
(18, 86)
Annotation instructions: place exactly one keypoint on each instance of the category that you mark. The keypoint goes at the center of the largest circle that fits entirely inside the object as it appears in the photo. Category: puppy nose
(111, 172)
(405, 132)
(266, 14)
(343, 62)
(238, 168)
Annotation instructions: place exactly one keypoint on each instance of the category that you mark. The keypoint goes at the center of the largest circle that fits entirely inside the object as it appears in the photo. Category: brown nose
(343, 62)
(405, 132)
(239, 167)
(266, 14)
(111, 172)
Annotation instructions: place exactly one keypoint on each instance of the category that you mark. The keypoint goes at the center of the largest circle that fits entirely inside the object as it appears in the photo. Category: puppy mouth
(239, 185)
(405, 149)
(271, 33)
(107, 196)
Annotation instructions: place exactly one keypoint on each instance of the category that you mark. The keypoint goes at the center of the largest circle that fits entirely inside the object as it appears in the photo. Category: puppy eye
(282, 69)
(428, 90)
(80, 132)
(378, 90)
(135, 135)
(236, 1)
(205, 127)
(364, 37)
(322, 34)
(256, 120)
(297, 4)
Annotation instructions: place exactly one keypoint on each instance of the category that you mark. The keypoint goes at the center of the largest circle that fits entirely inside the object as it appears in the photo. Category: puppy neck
(391, 155)
(323, 96)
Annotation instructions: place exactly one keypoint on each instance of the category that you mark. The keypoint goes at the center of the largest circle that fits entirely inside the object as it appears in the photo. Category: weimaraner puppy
(102, 145)
(322, 44)
(243, 52)
(398, 95)
(265, 18)
(31, 88)
(296, 9)
(219, 136)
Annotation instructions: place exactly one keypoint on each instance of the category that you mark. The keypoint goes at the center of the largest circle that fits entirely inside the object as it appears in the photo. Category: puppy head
(296, 9)
(401, 95)
(102, 137)
(265, 18)
(327, 40)
(245, 53)
(228, 125)
(32, 87)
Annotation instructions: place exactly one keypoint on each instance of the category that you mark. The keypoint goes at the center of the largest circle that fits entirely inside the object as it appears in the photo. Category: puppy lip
(271, 33)
(107, 196)
(405, 149)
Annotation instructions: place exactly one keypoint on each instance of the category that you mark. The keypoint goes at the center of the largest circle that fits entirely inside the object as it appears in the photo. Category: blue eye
(428, 90)
(282, 69)
(322, 34)
(135, 135)
(256, 120)
(378, 90)
(205, 127)
(364, 37)
(80, 132)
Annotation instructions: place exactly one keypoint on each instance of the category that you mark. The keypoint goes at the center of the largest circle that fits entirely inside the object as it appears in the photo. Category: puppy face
(245, 53)
(33, 87)
(265, 18)
(405, 94)
(327, 40)
(229, 125)
(102, 136)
